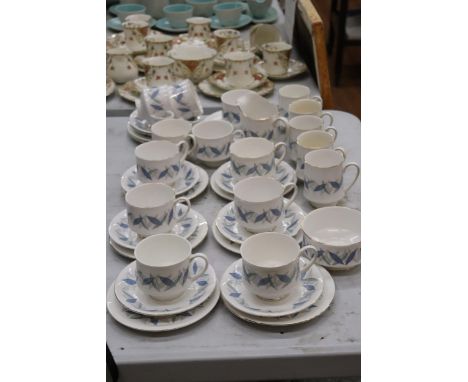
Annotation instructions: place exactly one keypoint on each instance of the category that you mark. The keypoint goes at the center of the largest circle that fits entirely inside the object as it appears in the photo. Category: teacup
(276, 57)
(177, 14)
(313, 140)
(124, 10)
(259, 8)
(291, 93)
(212, 139)
(255, 157)
(308, 106)
(158, 44)
(228, 40)
(144, 119)
(202, 7)
(239, 68)
(160, 161)
(164, 265)
(271, 264)
(229, 14)
(259, 204)
(172, 130)
(263, 33)
(230, 103)
(336, 234)
(260, 118)
(300, 124)
(158, 71)
(199, 27)
(135, 33)
(323, 177)
(151, 209)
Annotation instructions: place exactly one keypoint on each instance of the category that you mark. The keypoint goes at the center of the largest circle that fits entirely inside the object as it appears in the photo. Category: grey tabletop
(117, 106)
(221, 347)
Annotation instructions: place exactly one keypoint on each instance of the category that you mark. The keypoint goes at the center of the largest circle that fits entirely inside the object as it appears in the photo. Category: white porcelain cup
(323, 177)
(228, 40)
(336, 234)
(300, 124)
(313, 140)
(255, 157)
(290, 93)
(259, 203)
(230, 103)
(165, 266)
(158, 71)
(151, 208)
(173, 130)
(271, 264)
(239, 67)
(199, 28)
(160, 161)
(308, 106)
(135, 33)
(212, 139)
(276, 57)
(228, 13)
(158, 44)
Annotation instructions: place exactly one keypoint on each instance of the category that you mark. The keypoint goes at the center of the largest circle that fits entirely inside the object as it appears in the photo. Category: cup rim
(304, 135)
(233, 93)
(243, 182)
(201, 125)
(305, 118)
(166, 123)
(228, 6)
(158, 237)
(267, 47)
(143, 146)
(152, 187)
(315, 153)
(177, 8)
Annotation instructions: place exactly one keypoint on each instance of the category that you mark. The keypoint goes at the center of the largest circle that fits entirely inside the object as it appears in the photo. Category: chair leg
(331, 31)
(340, 40)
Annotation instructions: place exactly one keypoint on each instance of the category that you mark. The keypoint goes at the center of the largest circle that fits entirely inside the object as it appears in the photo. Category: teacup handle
(358, 172)
(197, 274)
(326, 114)
(185, 201)
(192, 138)
(332, 131)
(287, 188)
(278, 146)
(317, 98)
(311, 261)
(341, 150)
(183, 149)
(281, 121)
(238, 134)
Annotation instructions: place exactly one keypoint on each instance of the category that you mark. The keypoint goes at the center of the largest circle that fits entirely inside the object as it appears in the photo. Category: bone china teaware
(120, 65)
(172, 129)
(308, 106)
(276, 57)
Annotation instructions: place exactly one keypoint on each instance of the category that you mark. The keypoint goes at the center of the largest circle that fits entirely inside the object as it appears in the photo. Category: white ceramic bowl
(193, 60)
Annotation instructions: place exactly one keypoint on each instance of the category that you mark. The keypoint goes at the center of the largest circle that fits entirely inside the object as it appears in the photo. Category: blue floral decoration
(156, 174)
(213, 152)
(324, 187)
(335, 257)
(231, 116)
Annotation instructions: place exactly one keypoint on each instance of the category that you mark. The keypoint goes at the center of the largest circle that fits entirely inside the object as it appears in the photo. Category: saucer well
(220, 80)
(270, 17)
(211, 90)
(220, 192)
(136, 136)
(243, 21)
(223, 242)
(165, 25)
(233, 290)
(143, 126)
(294, 69)
(158, 324)
(188, 179)
(116, 24)
(308, 314)
(229, 226)
(133, 298)
(121, 234)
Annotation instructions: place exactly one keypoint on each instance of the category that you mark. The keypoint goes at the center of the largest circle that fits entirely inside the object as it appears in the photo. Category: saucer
(243, 21)
(143, 126)
(136, 136)
(223, 176)
(220, 192)
(220, 80)
(129, 91)
(308, 314)
(270, 17)
(116, 24)
(121, 234)
(158, 324)
(165, 25)
(230, 228)
(211, 90)
(134, 299)
(195, 239)
(110, 87)
(233, 290)
(224, 242)
(189, 178)
(294, 69)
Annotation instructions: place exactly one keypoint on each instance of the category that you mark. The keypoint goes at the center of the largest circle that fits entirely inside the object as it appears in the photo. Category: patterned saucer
(229, 226)
(308, 314)
(188, 179)
(220, 80)
(211, 90)
(121, 234)
(223, 176)
(270, 17)
(158, 324)
(223, 242)
(110, 87)
(136, 136)
(243, 21)
(165, 25)
(219, 191)
(129, 91)
(133, 298)
(294, 69)
(143, 126)
(236, 294)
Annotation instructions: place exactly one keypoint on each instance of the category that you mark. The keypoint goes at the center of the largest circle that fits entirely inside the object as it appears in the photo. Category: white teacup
(228, 13)
(173, 130)
(212, 139)
(276, 57)
(271, 265)
(228, 40)
(230, 103)
(160, 161)
(308, 106)
(135, 33)
(323, 177)
(291, 93)
(164, 266)
(158, 44)
(239, 68)
(158, 71)
(199, 28)
(259, 203)
(255, 157)
(151, 208)
(300, 124)
(313, 140)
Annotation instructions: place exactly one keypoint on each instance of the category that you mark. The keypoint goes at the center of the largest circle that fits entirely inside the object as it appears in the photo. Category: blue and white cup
(230, 103)
(177, 14)
(324, 172)
(151, 209)
(165, 266)
(160, 161)
(229, 14)
(255, 157)
(259, 203)
(336, 234)
(212, 140)
(172, 130)
(271, 264)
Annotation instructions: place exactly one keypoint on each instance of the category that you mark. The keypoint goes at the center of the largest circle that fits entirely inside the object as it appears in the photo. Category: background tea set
(212, 55)
(263, 156)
